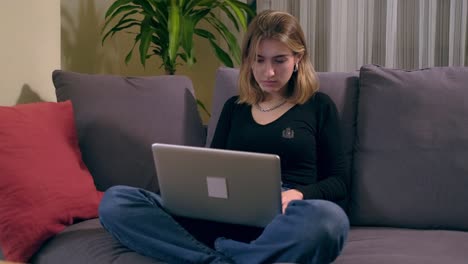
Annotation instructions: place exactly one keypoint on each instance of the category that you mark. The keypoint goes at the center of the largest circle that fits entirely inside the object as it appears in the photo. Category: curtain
(342, 35)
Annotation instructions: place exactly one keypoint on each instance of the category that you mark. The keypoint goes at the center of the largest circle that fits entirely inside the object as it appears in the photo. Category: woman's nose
(269, 70)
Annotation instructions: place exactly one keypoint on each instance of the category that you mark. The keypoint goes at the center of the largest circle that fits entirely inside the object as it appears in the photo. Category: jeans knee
(332, 222)
(109, 208)
(326, 223)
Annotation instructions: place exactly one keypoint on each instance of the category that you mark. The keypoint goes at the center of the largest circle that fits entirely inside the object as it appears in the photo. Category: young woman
(279, 111)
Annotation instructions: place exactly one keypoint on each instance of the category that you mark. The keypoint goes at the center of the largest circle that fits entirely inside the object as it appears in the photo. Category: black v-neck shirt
(307, 138)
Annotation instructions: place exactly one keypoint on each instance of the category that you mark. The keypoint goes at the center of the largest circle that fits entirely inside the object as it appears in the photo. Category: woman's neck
(272, 98)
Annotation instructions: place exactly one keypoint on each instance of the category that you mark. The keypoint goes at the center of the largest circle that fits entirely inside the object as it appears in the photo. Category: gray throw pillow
(118, 118)
(411, 166)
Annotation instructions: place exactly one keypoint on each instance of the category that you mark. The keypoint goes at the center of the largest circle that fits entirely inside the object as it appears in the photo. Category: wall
(81, 49)
(29, 50)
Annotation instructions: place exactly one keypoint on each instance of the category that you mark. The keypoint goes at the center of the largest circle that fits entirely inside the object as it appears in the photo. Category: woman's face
(273, 66)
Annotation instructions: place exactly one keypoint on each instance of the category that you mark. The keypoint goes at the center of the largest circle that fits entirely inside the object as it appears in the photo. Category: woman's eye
(280, 61)
(259, 60)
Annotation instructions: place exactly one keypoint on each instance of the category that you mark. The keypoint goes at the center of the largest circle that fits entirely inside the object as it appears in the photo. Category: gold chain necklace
(271, 108)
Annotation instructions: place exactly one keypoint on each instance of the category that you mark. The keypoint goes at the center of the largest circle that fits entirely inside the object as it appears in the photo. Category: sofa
(405, 137)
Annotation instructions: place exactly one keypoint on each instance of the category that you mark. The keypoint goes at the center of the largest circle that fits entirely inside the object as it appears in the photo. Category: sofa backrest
(411, 156)
(225, 88)
(118, 118)
(342, 87)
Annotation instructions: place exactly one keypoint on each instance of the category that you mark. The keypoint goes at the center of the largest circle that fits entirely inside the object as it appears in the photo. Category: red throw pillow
(44, 184)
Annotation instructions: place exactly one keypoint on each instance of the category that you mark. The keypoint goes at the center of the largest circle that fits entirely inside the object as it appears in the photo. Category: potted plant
(166, 28)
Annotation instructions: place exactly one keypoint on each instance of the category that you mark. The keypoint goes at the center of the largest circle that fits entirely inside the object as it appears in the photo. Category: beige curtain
(345, 34)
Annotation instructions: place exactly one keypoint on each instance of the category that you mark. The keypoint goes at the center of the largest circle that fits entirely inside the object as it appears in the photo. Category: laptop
(219, 185)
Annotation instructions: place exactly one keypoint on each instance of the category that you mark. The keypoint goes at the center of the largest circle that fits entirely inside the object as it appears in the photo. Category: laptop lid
(219, 185)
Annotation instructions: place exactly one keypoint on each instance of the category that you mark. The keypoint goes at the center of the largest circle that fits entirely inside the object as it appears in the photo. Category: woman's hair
(283, 27)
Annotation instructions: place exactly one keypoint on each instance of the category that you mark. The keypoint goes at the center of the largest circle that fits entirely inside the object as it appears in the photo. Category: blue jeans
(310, 231)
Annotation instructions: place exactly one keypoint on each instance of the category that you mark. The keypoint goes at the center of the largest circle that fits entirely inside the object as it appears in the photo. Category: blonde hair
(284, 27)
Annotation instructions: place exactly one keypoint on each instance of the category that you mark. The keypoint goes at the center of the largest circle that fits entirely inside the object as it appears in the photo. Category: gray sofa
(406, 144)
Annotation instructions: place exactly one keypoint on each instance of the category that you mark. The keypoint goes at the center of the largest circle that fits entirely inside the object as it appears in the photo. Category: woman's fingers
(288, 196)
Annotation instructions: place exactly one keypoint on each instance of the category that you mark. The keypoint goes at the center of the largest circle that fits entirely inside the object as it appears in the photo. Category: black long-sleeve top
(307, 139)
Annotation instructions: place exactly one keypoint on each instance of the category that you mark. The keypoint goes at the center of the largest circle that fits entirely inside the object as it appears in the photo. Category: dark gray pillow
(411, 166)
(118, 118)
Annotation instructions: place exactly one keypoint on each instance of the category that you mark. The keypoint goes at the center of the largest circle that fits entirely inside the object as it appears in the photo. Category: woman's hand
(289, 195)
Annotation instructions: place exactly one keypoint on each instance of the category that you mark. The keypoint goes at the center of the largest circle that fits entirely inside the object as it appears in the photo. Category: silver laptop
(219, 185)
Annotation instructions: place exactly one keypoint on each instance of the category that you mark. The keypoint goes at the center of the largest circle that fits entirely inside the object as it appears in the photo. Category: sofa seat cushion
(87, 242)
(395, 245)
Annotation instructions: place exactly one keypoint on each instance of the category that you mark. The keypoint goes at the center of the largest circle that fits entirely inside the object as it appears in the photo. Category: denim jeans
(310, 231)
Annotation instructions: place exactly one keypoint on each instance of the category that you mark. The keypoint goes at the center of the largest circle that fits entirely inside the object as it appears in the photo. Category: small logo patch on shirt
(288, 133)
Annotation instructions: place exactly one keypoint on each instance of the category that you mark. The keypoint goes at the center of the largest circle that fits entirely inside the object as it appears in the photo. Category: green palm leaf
(118, 28)
(229, 38)
(229, 14)
(204, 33)
(116, 5)
(174, 29)
(145, 41)
(146, 7)
(239, 13)
(120, 10)
(130, 53)
(221, 54)
(187, 30)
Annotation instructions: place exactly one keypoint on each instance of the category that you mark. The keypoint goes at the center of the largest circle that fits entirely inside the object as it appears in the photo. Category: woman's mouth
(268, 83)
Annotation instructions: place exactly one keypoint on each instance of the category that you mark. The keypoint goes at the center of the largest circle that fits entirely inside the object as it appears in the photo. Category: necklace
(271, 108)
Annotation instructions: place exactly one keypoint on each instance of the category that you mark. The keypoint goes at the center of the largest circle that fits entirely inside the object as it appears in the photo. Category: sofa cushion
(367, 245)
(342, 87)
(411, 165)
(118, 118)
(87, 242)
(44, 184)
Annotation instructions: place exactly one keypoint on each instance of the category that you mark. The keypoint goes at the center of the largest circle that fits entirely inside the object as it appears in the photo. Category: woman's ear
(297, 58)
